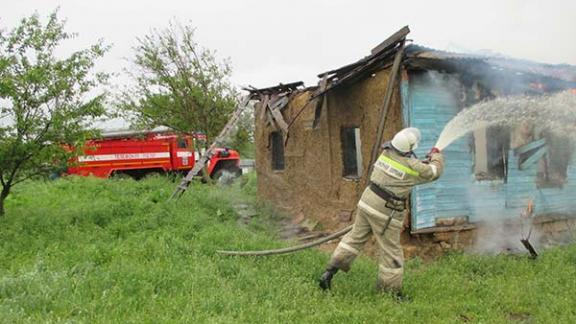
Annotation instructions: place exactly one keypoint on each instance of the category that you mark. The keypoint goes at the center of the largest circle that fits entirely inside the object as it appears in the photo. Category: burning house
(315, 145)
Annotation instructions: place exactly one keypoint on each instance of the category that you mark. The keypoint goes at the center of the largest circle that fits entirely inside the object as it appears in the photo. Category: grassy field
(90, 250)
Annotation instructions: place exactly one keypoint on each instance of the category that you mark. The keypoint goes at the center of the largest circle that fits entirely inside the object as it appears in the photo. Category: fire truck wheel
(154, 174)
(120, 176)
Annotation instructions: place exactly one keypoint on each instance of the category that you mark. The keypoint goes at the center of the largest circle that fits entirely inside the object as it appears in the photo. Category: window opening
(351, 152)
(182, 143)
(550, 154)
(553, 167)
(277, 142)
(491, 146)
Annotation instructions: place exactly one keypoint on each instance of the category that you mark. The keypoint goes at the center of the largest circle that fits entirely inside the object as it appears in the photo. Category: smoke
(504, 237)
(555, 113)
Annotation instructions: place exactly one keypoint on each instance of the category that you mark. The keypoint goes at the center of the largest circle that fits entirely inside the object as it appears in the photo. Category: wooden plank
(279, 88)
(355, 71)
(530, 146)
(368, 69)
(321, 86)
(534, 158)
(279, 103)
(441, 229)
(270, 120)
(321, 103)
(273, 113)
(393, 39)
(274, 108)
(396, 37)
(529, 247)
(263, 106)
(342, 69)
(376, 62)
(386, 106)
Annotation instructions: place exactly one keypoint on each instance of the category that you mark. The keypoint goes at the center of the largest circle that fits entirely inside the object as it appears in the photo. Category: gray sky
(282, 41)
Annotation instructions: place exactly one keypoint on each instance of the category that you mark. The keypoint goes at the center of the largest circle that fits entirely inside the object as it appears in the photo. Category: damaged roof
(288, 87)
(421, 57)
(380, 57)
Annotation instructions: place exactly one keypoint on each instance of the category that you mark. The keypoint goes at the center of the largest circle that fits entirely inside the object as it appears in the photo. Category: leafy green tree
(45, 102)
(178, 84)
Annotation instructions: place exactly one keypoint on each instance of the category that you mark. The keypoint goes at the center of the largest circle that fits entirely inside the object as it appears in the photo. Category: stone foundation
(493, 238)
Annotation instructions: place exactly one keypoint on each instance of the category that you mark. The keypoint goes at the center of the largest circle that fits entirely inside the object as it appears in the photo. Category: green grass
(90, 250)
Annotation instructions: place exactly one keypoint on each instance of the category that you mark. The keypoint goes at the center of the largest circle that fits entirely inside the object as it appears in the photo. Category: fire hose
(289, 249)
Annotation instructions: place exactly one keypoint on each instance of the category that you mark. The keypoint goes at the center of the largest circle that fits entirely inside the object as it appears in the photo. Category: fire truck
(140, 153)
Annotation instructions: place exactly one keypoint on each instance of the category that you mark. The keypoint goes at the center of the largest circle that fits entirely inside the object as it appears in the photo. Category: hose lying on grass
(289, 249)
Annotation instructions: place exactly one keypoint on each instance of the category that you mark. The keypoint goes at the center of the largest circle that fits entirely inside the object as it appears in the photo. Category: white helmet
(406, 140)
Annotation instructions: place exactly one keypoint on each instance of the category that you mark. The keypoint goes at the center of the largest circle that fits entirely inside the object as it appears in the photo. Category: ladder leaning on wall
(201, 163)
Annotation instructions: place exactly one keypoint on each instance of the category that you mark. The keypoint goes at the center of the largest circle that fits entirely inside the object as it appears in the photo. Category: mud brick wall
(312, 184)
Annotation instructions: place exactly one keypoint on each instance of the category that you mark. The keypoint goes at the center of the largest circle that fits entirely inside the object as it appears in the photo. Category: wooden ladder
(201, 163)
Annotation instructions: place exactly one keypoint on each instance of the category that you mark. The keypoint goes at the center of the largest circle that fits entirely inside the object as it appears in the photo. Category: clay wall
(312, 185)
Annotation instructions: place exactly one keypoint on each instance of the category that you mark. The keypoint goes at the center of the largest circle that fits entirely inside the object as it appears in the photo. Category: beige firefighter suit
(396, 175)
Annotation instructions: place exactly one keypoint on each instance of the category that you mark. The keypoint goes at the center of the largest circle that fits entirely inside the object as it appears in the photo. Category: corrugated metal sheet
(429, 102)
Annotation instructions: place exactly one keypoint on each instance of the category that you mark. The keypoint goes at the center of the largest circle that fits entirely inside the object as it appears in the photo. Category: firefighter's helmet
(406, 140)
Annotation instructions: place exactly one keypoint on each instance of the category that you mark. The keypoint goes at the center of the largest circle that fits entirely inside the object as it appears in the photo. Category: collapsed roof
(419, 57)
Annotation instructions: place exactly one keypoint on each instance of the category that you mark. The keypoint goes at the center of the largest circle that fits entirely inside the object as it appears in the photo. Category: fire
(527, 213)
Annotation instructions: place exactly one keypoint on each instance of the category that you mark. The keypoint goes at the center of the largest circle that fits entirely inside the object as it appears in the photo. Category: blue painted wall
(429, 102)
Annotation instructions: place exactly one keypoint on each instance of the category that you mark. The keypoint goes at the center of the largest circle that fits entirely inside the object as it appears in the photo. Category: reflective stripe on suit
(397, 175)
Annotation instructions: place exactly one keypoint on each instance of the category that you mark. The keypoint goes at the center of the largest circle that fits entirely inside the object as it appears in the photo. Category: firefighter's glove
(433, 151)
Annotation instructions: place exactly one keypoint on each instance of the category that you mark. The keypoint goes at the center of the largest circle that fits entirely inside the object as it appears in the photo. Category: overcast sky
(283, 41)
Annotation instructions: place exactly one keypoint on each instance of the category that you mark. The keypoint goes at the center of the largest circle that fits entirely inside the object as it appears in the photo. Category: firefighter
(382, 208)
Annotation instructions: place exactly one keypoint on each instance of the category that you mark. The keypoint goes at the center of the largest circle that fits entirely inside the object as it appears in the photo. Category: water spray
(556, 113)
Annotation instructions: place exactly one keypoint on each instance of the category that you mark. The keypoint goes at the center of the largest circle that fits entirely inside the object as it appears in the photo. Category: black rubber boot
(326, 278)
(400, 297)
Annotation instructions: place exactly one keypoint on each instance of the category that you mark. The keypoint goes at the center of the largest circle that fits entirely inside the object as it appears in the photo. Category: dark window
(351, 152)
(182, 143)
(491, 146)
(550, 155)
(277, 143)
(553, 167)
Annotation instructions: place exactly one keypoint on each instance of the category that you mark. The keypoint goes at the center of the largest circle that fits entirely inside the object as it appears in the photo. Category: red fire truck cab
(139, 153)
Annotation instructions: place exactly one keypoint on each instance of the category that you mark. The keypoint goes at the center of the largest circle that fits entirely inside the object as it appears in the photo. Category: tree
(178, 84)
(45, 109)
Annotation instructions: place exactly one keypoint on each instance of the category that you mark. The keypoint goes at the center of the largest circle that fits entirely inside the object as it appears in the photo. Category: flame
(527, 213)
(530, 208)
